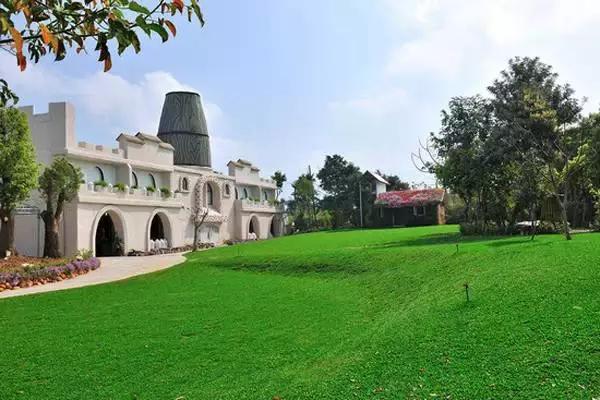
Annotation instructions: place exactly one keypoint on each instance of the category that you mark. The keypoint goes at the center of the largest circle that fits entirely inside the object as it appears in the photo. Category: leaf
(138, 8)
(61, 52)
(178, 4)
(46, 34)
(198, 12)
(107, 63)
(171, 27)
(160, 30)
(135, 42)
(17, 38)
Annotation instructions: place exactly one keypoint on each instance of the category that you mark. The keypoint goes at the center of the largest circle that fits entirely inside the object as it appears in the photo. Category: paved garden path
(111, 269)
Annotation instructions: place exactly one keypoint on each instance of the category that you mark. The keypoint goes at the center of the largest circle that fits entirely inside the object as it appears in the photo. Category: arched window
(237, 195)
(265, 195)
(184, 184)
(152, 181)
(245, 193)
(100, 173)
(209, 195)
(135, 182)
(227, 190)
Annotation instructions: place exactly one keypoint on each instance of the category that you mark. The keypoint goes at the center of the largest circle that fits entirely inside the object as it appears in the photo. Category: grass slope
(359, 314)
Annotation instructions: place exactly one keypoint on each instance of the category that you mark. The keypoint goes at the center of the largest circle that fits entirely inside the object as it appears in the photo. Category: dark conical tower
(183, 126)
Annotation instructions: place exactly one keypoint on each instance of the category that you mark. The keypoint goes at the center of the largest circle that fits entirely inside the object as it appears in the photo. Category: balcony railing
(267, 206)
(126, 192)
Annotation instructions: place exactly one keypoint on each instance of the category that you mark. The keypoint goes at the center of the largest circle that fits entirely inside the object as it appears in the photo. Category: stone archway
(275, 228)
(159, 228)
(253, 227)
(109, 236)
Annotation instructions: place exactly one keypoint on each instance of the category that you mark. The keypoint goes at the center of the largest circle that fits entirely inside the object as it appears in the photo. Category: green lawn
(376, 314)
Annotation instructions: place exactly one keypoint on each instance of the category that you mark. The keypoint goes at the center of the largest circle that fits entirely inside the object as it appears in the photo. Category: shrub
(150, 189)
(101, 183)
(166, 192)
(119, 186)
(490, 229)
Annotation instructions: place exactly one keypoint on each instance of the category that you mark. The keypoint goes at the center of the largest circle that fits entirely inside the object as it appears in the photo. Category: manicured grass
(376, 314)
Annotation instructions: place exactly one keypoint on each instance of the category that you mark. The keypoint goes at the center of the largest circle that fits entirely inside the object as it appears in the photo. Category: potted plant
(119, 187)
(166, 192)
(150, 190)
(100, 185)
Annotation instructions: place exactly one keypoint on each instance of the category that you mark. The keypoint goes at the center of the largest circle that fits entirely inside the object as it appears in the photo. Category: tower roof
(183, 125)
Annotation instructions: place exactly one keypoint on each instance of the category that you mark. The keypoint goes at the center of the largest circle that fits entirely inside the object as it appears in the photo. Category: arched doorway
(108, 242)
(157, 230)
(253, 228)
(275, 228)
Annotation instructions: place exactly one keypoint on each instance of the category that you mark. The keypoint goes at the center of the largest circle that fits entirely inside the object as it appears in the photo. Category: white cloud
(111, 101)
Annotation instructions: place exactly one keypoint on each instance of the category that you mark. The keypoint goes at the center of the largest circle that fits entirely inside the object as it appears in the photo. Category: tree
(199, 212)
(464, 163)
(395, 183)
(302, 205)
(340, 180)
(59, 184)
(18, 171)
(279, 178)
(534, 113)
(40, 28)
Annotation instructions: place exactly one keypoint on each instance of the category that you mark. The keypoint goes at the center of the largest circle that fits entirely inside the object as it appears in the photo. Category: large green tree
(340, 180)
(303, 203)
(35, 28)
(59, 184)
(18, 171)
(534, 114)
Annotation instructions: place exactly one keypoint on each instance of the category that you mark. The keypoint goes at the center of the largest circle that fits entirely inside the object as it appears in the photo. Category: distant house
(411, 207)
(377, 182)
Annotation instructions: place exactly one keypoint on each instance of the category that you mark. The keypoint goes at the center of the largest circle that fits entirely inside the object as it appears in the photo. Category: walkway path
(111, 269)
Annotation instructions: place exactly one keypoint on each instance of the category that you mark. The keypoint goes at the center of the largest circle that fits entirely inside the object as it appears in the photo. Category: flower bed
(31, 276)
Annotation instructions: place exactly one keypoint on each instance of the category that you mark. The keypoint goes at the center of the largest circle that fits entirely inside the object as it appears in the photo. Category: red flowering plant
(414, 197)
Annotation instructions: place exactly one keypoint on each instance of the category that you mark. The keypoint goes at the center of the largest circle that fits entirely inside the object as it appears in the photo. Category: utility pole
(360, 203)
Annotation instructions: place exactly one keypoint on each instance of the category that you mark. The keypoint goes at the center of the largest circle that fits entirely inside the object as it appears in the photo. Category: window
(100, 173)
(245, 193)
(227, 190)
(380, 212)
(419, 211)
(209, 195)
(265, 195)
(237, 195)
(184, 184)
(135, 180)
(152, 181)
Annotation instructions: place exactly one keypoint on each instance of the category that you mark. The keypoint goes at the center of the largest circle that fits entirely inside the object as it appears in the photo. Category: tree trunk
(195, 246)
(51, 232)
(7, 232)
(564, 217)
(533, 220)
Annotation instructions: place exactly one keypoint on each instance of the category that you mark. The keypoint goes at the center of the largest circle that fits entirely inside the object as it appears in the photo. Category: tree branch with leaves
(37, 28)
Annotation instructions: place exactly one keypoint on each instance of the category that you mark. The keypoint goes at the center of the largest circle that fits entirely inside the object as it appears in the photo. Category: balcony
(88, 193)
(259, 206)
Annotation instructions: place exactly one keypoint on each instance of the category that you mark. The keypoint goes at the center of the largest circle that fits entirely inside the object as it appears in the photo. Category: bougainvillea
(35, 276)
(414, 197)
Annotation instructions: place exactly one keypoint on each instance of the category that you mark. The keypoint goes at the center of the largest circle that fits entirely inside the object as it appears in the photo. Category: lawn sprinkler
(467, 288)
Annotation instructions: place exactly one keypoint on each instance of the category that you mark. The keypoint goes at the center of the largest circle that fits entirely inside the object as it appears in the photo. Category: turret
(183, 125)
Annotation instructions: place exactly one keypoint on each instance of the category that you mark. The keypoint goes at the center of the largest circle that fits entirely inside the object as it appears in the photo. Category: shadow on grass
(286, 266)
(452, 238)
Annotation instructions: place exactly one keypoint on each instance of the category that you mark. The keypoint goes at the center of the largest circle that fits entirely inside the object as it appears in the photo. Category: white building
(145, 189)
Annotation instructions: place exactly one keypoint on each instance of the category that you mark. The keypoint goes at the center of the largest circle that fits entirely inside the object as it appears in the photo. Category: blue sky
(285, 82)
